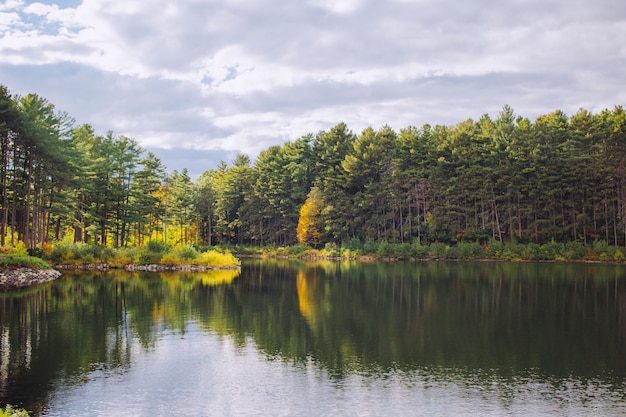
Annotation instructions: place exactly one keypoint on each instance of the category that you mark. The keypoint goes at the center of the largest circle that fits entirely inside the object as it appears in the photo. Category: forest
(558, 178)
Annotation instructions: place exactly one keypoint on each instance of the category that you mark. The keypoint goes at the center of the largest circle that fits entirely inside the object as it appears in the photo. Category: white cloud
(338, 6)
(11, 5)
(7, 20)
(240, 75)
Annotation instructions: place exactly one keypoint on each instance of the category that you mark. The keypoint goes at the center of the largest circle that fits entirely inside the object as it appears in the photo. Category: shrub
(311, 253)
(419, 251)
(384, 250)
(438, 250)
(600, 247)
(9, 411)
(495, 248)
(574, 251)
(23, 261)
(355, 244)
(158, 247)
(186, 252)
(216, 259)
(452, 253)
(470, 250)
(553, 251)
(532, 251)
(370, 247)
(170, 259)
(403, 251)
(330, 250)
(299, 249)
(18, 249)
(513, 251)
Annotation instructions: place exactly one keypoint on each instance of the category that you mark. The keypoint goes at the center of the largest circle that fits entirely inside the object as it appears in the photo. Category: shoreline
(17, 278)
(23, 277)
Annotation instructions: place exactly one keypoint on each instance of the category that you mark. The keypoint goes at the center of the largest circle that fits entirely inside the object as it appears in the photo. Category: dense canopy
(559, 177)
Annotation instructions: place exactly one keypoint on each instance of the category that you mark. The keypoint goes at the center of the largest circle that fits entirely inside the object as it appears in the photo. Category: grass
(22, 261)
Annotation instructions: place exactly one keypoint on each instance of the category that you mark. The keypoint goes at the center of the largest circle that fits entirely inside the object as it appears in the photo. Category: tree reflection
(559, 320)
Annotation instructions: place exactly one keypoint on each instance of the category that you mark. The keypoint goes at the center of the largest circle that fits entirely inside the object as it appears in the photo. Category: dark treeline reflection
(556, 320)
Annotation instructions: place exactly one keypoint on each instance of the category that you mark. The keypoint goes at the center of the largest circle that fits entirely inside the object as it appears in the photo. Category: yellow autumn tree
(309, 224)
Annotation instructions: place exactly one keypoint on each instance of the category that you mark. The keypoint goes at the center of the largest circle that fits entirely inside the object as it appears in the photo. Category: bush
(513, 251)
(553, 251)
(495, 249)
(330, 250)
(18, 249)
(384, 250)
(370, 247)
(419, 251)
(574, 251)
(601, 248)
(216, 259)
(22, 261)
(452, 253)
(186, 252)
(9, 411)
(470, 250)
(355, 244)
(532, 252)
(403, 251)
(438, 250)
(311, 253)
(158, 247)
(299, 249)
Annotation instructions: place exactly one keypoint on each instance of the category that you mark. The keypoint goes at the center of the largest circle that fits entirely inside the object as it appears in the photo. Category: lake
(294, 338)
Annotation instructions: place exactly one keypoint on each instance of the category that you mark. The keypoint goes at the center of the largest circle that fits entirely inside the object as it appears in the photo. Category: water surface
(323, 338)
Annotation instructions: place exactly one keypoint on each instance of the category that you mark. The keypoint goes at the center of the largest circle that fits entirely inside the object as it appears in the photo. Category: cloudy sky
(198, 81)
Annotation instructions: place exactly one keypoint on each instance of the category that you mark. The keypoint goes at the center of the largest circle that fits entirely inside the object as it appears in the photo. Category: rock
(25, 277)
(163, 268)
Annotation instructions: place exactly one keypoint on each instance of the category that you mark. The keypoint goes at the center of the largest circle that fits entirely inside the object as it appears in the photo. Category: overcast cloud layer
(210, 79)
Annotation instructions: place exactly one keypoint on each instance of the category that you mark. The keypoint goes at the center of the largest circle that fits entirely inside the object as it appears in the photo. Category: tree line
(507, 179)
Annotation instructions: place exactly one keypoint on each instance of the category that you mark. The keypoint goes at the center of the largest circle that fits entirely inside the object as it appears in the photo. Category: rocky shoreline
(16, 278)
(149, 268)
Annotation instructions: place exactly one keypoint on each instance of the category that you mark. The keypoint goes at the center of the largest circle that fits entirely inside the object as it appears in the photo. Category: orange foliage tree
(310, 222)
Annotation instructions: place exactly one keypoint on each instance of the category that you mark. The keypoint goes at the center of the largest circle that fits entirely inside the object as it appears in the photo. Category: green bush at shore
(9, 411)
(62, 253)
(492, 250)
(22, 261)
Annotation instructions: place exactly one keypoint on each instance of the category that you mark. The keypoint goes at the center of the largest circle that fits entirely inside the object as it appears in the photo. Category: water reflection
(477, 329)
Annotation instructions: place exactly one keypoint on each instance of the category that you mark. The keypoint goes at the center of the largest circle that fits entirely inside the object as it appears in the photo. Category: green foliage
(185, 252)
(158, 247)
(403, 251)
(491, 182)
(9, 411)
(385, 250)
(473, 250)
(438, 250)
(574, 251)
(370, 247)
(22, 261)
(79, 253)
(420, 251)
(18, 249)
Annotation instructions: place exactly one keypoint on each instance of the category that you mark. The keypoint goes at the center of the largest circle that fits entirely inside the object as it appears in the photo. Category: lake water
(289, 338)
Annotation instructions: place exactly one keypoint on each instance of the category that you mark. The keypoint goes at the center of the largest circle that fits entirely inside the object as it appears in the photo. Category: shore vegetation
(598, 251)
